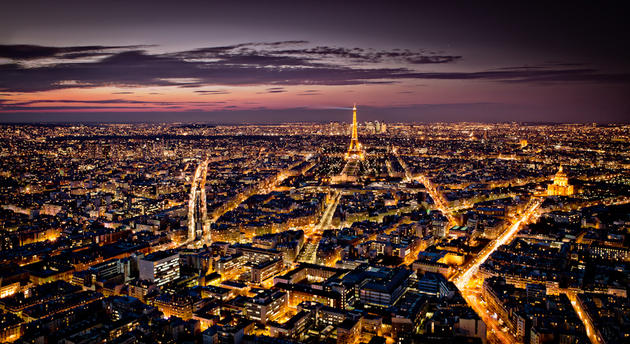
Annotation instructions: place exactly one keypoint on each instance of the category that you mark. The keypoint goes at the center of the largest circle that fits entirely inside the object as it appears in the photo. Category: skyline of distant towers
(355, 151)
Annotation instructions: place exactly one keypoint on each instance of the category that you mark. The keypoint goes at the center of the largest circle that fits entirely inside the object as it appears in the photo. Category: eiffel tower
(355, 151)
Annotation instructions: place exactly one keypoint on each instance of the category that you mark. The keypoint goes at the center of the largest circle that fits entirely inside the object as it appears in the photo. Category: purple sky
(273, 61)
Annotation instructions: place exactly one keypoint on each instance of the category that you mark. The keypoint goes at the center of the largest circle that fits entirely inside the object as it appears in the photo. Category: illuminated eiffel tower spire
(355, 150)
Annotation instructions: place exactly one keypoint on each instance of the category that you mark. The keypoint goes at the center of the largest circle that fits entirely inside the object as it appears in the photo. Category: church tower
(560, 186)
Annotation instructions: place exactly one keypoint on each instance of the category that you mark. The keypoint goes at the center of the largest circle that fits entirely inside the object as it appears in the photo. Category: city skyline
(315, 233)
(286, 62)
(314, 172)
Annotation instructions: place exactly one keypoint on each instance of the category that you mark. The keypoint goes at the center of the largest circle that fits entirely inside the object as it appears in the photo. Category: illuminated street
(464, 277)
(590, 329)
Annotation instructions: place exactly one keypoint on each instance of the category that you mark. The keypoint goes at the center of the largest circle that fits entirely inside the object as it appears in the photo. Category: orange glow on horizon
(203, 98)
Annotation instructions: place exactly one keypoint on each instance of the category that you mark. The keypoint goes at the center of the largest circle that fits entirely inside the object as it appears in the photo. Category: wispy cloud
(212, 92)
(276, 90)
(32, 52)
(278, 64)
(309, 93)
(71, 104)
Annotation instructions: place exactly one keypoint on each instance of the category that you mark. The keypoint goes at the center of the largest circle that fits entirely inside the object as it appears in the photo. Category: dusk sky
(275, 61)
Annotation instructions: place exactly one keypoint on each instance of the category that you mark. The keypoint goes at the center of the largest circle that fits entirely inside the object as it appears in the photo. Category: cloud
(31, 52)
(309, 93)
(103, 101)
(278, 64)
(270, 54)
(276, 90)
(65, 108)
(60, 104)
(211, 92)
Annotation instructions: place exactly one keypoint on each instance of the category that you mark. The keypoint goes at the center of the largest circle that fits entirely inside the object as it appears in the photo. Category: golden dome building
(560, 185)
